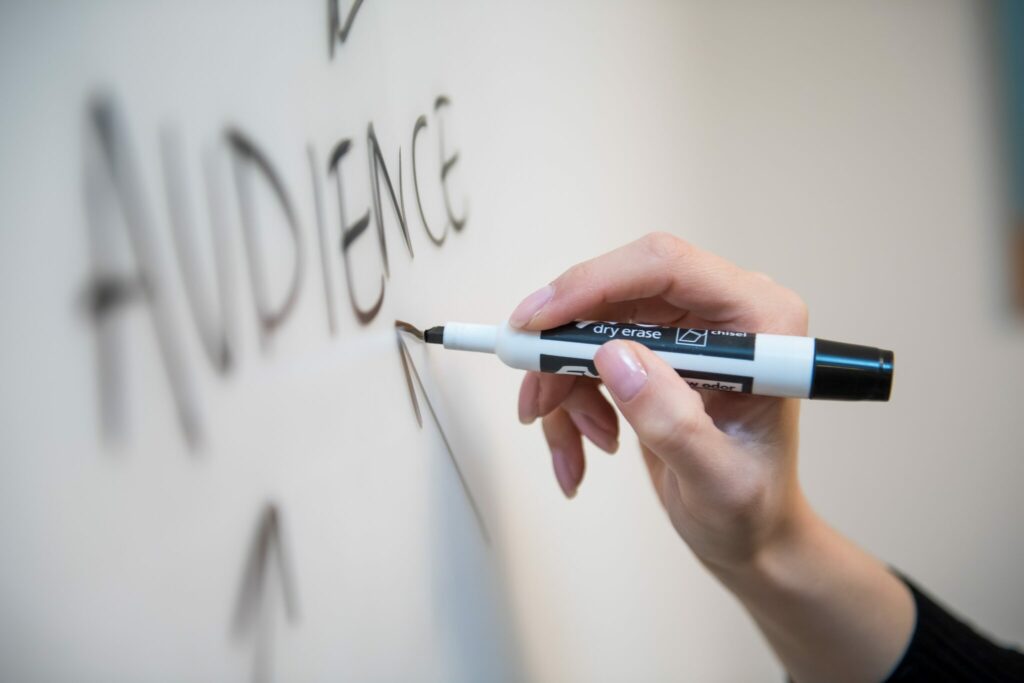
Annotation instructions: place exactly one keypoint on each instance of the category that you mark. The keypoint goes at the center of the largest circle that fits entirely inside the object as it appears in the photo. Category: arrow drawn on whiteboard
(252, 616)
(409, 369)
(338, 30)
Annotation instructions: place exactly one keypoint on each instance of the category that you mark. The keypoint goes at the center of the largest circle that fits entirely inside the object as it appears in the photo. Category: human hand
(723, 465)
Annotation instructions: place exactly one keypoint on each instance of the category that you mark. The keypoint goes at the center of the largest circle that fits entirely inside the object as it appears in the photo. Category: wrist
(793, 545)
(812, 591)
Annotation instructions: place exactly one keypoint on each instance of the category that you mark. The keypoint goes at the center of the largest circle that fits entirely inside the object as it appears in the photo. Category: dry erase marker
(742, 362)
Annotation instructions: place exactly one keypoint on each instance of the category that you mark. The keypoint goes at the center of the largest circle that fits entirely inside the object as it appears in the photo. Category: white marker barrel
(722, 360)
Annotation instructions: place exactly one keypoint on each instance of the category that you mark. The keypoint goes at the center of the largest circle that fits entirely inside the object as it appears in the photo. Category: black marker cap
(848, 372)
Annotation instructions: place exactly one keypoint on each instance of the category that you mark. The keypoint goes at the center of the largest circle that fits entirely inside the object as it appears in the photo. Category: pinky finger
(566, 450)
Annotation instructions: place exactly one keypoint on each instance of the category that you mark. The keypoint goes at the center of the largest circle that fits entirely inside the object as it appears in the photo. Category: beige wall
(847, 149)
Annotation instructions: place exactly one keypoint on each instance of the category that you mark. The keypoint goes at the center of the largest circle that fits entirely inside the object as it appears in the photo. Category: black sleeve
(943, 648)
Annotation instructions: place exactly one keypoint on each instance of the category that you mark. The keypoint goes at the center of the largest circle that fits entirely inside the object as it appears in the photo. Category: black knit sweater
(943, 648)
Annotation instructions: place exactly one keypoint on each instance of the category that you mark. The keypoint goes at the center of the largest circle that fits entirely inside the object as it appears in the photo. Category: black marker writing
(336, 31)
(249, 158)
(213, 334)
(421, 123)
(409, 370)
(349, 234)
(447, 164)
(118, 213)
(321, 238)
(377, 169)
(113, 194)
(267, 551)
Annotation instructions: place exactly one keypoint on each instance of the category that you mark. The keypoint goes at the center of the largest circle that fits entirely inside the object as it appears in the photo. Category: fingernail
(529, 307)
(528, 400)
(621, 371)
(563, 473)
(602, 438)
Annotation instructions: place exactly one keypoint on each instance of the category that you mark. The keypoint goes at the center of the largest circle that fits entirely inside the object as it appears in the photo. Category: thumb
(667, 415)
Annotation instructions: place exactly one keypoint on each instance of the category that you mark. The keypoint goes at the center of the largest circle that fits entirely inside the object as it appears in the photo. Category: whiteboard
(219, 459)
(227, 467)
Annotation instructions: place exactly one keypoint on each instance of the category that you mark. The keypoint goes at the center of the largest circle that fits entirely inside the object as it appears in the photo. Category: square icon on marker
(691, 337)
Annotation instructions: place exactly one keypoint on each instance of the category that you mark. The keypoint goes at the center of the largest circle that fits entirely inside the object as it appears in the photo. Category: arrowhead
(267, 544)
(412, 379)
(339, 30)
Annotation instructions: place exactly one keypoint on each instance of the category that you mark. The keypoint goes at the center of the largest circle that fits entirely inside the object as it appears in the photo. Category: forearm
(829, 610)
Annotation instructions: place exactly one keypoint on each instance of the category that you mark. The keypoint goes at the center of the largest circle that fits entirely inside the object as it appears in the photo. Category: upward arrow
(251, 618)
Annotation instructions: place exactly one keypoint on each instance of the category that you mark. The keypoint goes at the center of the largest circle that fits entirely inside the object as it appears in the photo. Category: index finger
(657, 265)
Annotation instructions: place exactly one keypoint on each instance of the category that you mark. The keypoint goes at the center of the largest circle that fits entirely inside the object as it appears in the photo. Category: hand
(723, 465)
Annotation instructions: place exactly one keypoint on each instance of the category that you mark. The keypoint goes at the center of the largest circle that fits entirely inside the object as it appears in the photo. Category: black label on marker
(717, 381)
(561, 365)
(721, 343)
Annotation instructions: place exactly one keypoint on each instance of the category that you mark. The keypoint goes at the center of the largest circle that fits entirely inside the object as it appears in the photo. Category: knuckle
(795, 308)
(782, 311)
(552, 391)
(665, 246)
(673, 433)
(742, 501)
(745, 496)
(578, 275)
(550, 426)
